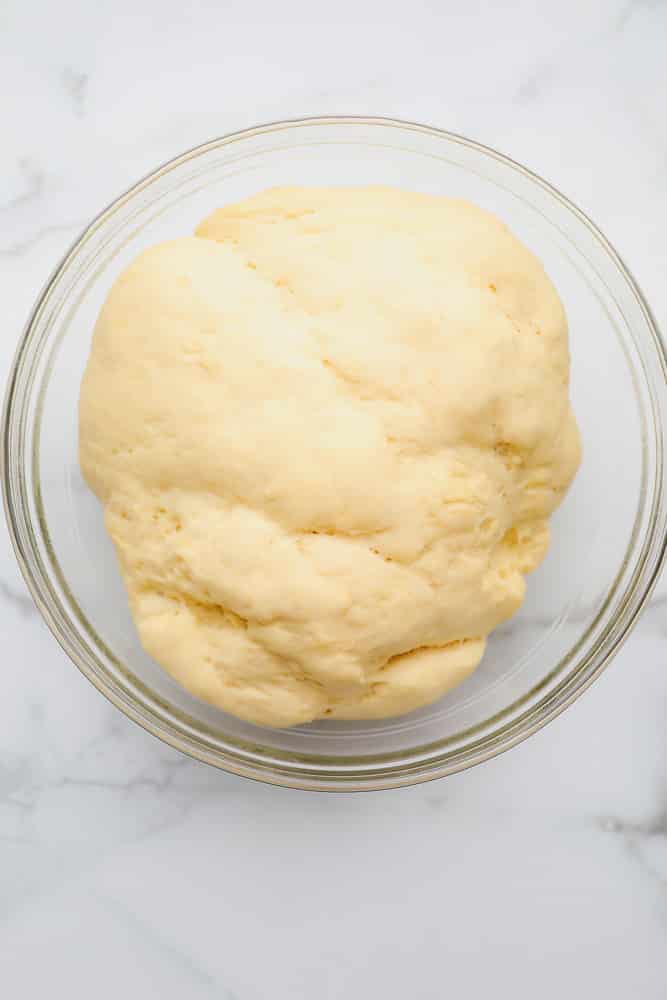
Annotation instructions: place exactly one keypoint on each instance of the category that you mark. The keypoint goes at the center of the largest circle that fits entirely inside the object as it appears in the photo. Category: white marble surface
(125, 867)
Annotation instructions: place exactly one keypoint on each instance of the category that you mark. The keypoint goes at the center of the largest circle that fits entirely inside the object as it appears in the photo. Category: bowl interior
(597, 532)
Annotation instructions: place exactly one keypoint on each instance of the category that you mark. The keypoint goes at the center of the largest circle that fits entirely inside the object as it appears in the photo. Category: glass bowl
(609, 536)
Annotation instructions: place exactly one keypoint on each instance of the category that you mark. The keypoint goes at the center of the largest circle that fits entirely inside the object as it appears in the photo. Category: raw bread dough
(328, 432)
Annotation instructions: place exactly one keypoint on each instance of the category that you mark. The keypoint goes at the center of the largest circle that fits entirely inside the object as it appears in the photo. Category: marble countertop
(126, 867)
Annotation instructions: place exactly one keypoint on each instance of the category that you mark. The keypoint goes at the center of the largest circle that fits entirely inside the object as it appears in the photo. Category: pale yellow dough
(328, 432)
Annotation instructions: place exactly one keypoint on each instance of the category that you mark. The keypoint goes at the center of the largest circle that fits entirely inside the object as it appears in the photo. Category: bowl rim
(276, 771)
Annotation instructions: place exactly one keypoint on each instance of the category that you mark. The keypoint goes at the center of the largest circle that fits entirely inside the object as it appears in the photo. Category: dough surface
(328, 431)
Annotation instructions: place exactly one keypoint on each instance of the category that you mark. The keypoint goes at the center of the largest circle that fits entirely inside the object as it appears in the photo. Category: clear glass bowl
(609, 537)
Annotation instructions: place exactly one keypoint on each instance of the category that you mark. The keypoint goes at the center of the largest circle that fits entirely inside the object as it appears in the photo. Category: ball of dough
(328, 431)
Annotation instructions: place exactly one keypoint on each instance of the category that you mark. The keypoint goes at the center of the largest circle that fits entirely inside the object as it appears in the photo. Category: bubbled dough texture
(328, 432)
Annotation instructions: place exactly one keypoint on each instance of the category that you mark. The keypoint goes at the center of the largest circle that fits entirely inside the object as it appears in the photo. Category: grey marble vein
(625, 14)
(656, 614)
(533, 86)
(436, 802)
(165, 948)
(75, 85)
(629, 10)
(27, 794)
(20, 600)
(546, 76)
(654, 826)
(13, 775)
(21, 247)
(161, 793)
(635, 837)
(34, 178)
